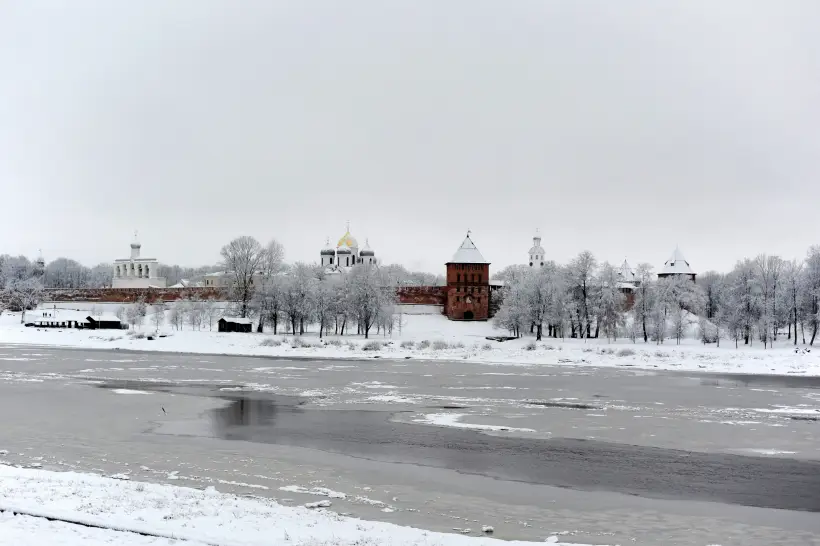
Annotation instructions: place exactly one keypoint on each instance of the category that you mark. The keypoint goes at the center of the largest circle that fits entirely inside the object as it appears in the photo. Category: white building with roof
(536, 251)
(677, 266)
(136, 271)
(346, 253)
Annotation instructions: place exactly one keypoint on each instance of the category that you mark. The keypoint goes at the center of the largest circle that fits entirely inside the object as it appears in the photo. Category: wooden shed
(103, 322)
(235, 324)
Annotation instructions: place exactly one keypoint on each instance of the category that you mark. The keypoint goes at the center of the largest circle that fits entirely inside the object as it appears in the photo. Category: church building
(136, 271)
(346, 254)
(536, 252)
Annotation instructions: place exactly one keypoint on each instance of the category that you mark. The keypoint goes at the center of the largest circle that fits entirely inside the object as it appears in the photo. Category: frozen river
(595, 455)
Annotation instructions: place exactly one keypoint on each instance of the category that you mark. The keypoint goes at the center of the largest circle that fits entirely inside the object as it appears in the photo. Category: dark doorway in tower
(468, 315)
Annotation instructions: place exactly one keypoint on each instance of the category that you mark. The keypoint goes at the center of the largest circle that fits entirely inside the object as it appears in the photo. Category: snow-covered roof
(677, 265)
(216, 274)
(237, 320)
(105, 317)
(56, 315)
(367, 251)
(626, 273)
(467, 253)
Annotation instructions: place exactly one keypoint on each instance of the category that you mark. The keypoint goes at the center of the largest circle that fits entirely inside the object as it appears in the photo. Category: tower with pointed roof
(39, 265)
(468, 283)
(536, 251)
(677, 266)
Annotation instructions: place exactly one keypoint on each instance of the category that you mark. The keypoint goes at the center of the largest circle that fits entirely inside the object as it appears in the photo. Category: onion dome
(328, 250)
(367, 251)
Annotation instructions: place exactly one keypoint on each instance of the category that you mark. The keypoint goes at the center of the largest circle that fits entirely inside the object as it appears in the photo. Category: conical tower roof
(677, 265)
(468, 253)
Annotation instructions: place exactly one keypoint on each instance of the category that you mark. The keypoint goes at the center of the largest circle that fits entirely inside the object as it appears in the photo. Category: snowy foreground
(39, 507)
(433, 337)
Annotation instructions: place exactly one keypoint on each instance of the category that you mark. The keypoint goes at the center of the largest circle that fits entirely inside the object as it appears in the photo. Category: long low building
(67, 318)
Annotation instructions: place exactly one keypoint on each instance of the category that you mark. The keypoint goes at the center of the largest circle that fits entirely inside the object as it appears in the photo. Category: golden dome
(347, 240)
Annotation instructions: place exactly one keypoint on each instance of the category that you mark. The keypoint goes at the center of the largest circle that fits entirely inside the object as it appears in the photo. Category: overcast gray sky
(620, 127)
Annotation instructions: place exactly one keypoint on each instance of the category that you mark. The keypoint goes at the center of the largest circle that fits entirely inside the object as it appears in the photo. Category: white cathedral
(346, 254)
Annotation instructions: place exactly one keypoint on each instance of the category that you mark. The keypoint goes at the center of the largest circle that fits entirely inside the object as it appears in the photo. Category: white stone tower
(536, 251)
(135, 248)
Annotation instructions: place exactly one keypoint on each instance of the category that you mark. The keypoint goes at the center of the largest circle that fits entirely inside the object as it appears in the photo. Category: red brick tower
(468, 284)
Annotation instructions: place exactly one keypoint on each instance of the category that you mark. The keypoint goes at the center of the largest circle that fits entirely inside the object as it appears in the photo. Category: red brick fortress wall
(422, 295)
(130, 295)
(412, 295)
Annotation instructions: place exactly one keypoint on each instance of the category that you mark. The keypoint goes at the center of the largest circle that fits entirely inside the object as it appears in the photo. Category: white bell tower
(537, 258)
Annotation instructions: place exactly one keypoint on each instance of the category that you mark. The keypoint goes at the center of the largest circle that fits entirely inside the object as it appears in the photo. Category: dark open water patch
(749, 380)
(565, 405)
(588, 465)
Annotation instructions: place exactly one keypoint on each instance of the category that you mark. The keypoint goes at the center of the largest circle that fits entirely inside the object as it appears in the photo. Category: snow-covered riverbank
(39, 507)
(434, 337)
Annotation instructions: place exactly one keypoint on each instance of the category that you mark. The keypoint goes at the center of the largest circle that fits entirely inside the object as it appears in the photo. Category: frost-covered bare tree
(769, 271)
(210, 312)
(101, 276)
(610, 302)
(370, 297)
(24, 294)
(581, 272)
(400, 276)
(662, 303)
(744, 296)
(514, 314)
(66, 273)
(543, 291)
(178, 314)
(242, 259)
(158, 317)
(811, 292)
(793, 294)
(676, 301)
(644, 297)
(267, 296)
(15, 268)
(196, 312)
(135, 315)
(324, 302)
(297, 296)
(511, 273)
(711, 283)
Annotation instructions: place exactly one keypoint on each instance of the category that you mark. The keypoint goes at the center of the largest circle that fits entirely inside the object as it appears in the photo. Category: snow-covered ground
(435, 337)
(39, 507)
